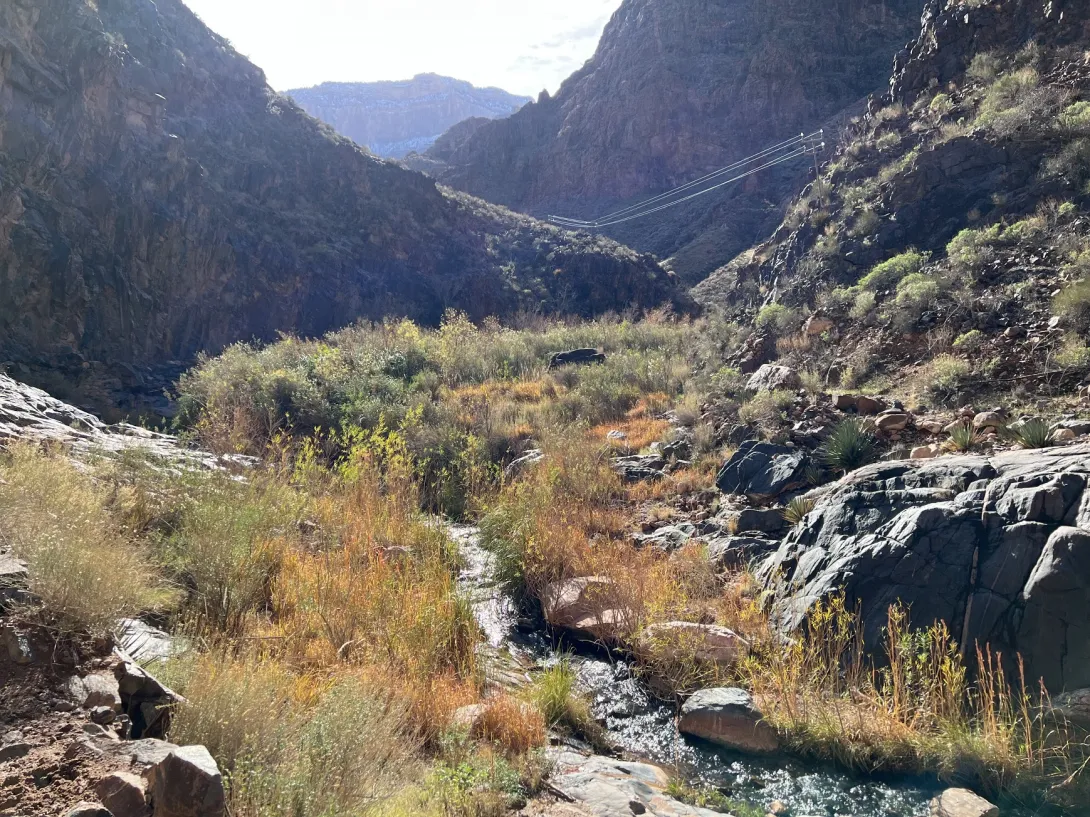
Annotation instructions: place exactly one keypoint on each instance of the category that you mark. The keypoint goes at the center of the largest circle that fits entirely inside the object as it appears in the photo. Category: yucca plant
(963, 438)
(849, 446)
(1030, 434)
(797, 509)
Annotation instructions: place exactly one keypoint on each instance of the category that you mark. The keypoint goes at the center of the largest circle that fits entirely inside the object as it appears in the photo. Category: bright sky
(522, 46)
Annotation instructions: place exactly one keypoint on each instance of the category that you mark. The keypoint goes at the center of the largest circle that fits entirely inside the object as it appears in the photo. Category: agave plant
(1030, 434)
(849, 446)
(797, 509)
(963, 438)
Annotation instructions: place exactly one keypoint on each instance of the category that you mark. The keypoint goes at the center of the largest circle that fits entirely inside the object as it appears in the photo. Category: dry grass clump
(84, 566)
(514, 726)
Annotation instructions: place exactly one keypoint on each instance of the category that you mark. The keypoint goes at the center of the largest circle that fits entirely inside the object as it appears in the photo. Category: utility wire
(575, 224)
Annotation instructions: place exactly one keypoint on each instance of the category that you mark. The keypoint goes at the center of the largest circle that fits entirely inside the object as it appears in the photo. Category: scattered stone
(124, 794)
(618, 436)
(467, 717)
(1080, 427)
(727, 716)
(186, 783)
(704, 642)
(1064, 435)
(870, 405)
(14, 751)
(17, 645)
(576, 357)
(892, 421)
(86, 809)
(146, 752)
(1015, 332)
(962, 803)
(989, 419)
(668, 537)
(923, 452)
(96, 731)
(771, 377)
(103, 715)
(762, 471)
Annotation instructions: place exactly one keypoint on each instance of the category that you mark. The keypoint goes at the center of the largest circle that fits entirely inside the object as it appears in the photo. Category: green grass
(555, 693)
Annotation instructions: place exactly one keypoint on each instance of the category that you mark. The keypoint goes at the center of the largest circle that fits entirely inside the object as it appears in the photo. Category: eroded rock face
(677, 89)
(158, 199)
(997, 547)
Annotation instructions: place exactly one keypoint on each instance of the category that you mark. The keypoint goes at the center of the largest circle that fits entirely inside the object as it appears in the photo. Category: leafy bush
(1076, 117)
(890, 272)
(1011, 102)
(778, 319)
(85, 568)
(970, 250)
(865, 224)
(1028, 229)
(888, 141)
(945, 376)
(970, 341)
(849, 446)
(864, 304)
(918, 290)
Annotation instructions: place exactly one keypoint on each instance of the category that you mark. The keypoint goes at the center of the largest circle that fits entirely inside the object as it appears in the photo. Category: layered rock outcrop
(675, 90)
(392, 119)
(996, 547)
(158, 199)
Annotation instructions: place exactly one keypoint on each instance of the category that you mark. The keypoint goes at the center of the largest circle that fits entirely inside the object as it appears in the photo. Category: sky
(522, 46)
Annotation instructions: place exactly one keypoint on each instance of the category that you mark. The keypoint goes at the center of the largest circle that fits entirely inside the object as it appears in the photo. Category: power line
(804, 144)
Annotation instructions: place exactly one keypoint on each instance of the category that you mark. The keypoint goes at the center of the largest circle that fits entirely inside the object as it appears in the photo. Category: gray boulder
(186, 783)
(962, 803)
(728, 717)
(996, 547)
(762, 471)
(771, 377)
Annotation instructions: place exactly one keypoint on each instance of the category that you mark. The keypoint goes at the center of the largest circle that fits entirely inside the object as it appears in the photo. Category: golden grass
(512, 725)
(88, 571)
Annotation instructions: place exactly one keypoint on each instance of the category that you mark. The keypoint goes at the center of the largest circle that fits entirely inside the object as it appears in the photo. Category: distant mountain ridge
(395, 118)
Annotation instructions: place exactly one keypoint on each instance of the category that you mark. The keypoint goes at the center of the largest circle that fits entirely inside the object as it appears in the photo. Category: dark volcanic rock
(677, 89)
(158, 199)
(996, 547)
(763, 471)
(395, 118)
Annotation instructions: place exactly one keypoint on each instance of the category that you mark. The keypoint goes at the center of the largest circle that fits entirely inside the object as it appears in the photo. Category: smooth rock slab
(962, 803)
(728, 717)
(186, 783)
(614, 788)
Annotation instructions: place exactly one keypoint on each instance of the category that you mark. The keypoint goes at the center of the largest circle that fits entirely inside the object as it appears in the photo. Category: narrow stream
(645, 727)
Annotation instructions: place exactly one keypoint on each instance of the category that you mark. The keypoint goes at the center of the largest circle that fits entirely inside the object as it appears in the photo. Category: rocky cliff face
(392, 119)
(676, 89)
(157, 199)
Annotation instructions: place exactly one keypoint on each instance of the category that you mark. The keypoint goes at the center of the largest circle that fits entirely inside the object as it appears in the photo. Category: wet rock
(587, 605)
(771, 377)
(728, 717)
(708, 643)
(124, 794)
(576, 357)
(87, 809)
(186, 783)
(605, 787)
(962, 803)
(918, 532)
(762, 471)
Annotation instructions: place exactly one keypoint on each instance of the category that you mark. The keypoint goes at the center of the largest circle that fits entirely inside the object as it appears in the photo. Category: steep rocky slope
(392, 119)
(677, 89)
(947, 246)
(157, 199)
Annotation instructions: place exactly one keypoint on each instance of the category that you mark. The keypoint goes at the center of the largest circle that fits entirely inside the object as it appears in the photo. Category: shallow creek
(644, 727)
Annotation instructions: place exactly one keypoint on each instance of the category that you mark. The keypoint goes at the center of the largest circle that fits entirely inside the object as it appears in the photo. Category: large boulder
(771, 377)
(186, 783)
(728, 717)
(763, 471)
(997, 547)
(587, 606)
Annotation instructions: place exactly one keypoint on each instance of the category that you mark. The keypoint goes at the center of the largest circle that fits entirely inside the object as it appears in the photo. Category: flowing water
(644, 726)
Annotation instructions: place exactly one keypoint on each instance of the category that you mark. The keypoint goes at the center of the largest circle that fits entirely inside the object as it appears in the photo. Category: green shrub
(1072, 303)
(1076, 117)
(944, 377)
(888, 141)
(865, 224)
(1028, 229)
(864, 304)
(969, 341)
(970, 250)
(941, 105)
(918, 290)
(1071, 163)
(849, 446)
(555, 693)
(889, 272)
(778, 319)
(1074, 354)
(984, 68)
